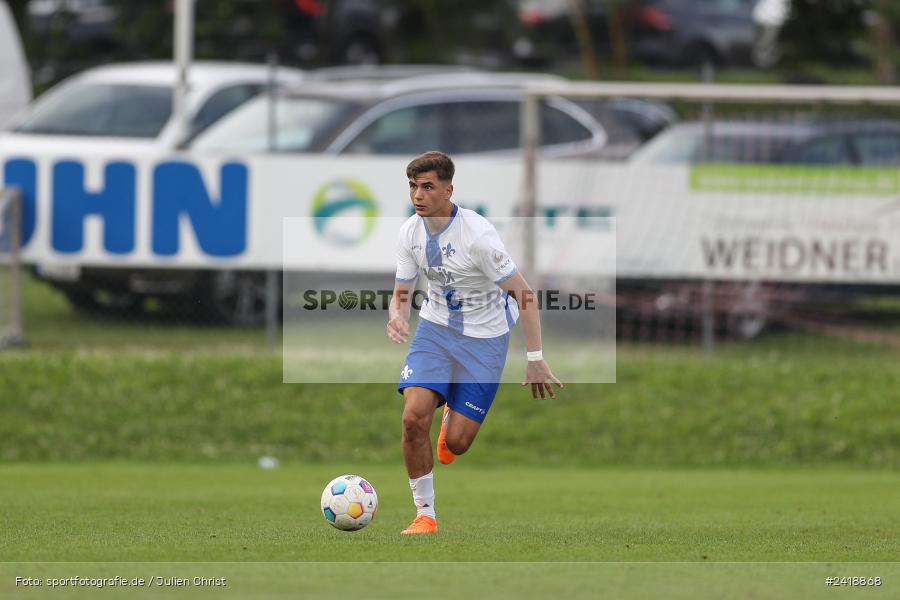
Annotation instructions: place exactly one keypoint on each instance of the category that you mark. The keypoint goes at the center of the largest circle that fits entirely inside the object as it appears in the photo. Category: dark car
(692, 32)
(311, 31)
(299, 31)
(547, 32)
(664, 32)
(817, 142)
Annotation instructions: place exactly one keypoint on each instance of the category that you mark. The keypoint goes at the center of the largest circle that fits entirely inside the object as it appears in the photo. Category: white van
(15, 81)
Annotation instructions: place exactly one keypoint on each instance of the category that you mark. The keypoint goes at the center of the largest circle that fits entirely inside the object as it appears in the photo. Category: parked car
(86, 22)
(461, 113)
(815, 142)
(664, 32)
(129, 105)
(625, 119)
(124, 109)
(339, 31)
(312, 31)
(470, 32)
(547, 31)
(15, 82)
(692, 32)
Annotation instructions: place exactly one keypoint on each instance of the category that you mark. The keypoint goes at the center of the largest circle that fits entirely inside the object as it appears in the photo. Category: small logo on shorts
(475, 408)
(406, 373)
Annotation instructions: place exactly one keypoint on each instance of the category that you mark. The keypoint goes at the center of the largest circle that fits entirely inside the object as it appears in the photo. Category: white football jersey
(464, 263)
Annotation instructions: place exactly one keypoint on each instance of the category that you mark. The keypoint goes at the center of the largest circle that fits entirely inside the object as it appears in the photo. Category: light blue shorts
(463, 370)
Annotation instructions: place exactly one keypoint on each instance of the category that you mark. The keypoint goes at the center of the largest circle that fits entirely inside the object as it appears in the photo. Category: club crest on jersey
(448, 250)
(406, 373)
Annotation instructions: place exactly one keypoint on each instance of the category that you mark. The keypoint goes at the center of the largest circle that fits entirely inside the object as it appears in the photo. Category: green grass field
(129, 448)
(109, 512)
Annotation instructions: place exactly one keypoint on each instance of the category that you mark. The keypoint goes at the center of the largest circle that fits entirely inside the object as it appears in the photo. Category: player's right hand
(398, 330)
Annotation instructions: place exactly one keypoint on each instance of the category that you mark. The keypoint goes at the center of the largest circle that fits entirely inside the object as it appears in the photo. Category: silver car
(461, 113)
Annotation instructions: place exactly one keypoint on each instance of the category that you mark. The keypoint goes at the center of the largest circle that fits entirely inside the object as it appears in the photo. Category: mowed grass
(137, 512)
(506, 532)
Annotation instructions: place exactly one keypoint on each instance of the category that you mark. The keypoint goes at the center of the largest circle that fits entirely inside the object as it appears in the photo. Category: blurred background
(851, 41)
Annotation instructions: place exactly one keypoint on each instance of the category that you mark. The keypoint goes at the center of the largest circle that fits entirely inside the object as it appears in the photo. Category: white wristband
(536, 355)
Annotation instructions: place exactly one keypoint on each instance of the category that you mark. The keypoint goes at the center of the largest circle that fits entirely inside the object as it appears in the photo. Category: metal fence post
(272, 275)
(15, 337)
(708, 302)
(530, 138)
(271, 309)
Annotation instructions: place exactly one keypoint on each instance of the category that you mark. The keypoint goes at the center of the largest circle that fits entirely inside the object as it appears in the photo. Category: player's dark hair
(435, 161)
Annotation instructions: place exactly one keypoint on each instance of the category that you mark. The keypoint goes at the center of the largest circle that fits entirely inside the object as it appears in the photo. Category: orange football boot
(421, 524)
(444, 455)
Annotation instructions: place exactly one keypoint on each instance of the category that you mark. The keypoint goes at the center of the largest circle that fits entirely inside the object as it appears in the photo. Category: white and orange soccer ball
(349, 502)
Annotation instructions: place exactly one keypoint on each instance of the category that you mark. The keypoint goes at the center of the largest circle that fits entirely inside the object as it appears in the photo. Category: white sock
(423, 494)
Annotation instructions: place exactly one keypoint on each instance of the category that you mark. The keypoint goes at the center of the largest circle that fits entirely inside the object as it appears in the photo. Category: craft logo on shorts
(477, 409)
(344, 212)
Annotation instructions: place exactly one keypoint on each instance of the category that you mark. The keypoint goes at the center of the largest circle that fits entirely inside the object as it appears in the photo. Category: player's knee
(459, 444)
(414, 426)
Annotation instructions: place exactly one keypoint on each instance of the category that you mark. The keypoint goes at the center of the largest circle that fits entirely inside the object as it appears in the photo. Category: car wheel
(239, 297)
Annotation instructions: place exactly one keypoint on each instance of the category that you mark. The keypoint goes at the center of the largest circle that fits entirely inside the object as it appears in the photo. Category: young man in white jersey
(456, 358)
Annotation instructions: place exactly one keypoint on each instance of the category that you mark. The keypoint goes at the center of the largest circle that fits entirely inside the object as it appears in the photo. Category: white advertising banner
(727, 222)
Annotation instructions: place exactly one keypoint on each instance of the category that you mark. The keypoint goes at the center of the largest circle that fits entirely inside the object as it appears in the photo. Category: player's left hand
(538, 374)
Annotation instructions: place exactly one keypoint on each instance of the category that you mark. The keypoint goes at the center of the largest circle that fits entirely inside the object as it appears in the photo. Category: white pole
(16, 279)
(530, 141)
(184, 52)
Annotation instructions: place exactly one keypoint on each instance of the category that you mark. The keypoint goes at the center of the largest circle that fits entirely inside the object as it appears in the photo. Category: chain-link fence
(764, 209)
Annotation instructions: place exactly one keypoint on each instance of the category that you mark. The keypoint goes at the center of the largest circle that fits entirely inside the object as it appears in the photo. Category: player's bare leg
(457, 434)
(418, 412)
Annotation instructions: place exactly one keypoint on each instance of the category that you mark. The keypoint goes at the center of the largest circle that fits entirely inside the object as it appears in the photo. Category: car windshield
(299, 125)
(101, 109)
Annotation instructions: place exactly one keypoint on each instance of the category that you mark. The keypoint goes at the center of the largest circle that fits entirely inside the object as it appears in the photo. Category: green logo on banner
(353, 203)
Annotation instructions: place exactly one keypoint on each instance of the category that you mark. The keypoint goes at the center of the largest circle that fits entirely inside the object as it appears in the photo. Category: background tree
(887, 17)
(824, 31)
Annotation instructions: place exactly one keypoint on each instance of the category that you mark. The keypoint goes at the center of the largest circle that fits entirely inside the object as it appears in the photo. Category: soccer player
(474, 296)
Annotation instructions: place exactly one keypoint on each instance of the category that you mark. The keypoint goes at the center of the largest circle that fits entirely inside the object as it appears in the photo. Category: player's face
(430, 196)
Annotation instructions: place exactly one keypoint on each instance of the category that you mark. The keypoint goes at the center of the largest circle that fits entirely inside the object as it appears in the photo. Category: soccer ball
(349, 502)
